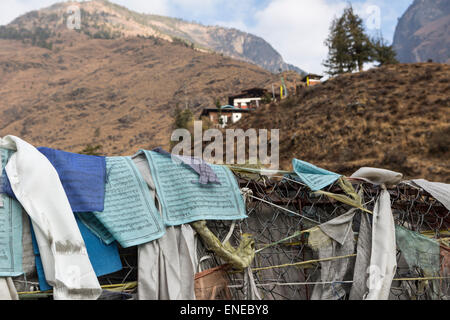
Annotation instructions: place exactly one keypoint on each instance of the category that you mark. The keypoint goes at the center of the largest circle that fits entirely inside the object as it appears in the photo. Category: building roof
(207, 111)
(312, 76)
(228, 107)
(250, 93)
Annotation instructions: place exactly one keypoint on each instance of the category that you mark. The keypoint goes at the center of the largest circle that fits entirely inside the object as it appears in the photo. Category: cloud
(381, 15)
(11, 9)
(298, 29)
(159, 7)
(186, 9)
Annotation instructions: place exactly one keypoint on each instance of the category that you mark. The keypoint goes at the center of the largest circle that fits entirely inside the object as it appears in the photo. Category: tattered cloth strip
(7, 289)
(440, 191)
(378, 176)
(250, 285)
(331, 239)
(166, 267)
(206, 174)
(445, 258)
(353, 199)
(105, 258)
(314, 177)
(10, 230)
(383, 262)
(360, 275)
(38, 188)
(420, 252)
(239, 258)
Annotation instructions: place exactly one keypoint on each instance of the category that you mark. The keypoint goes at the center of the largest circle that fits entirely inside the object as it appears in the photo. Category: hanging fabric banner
(82, 177)
(129, 214)
(314, 177)
(184, 202)
(10, 230)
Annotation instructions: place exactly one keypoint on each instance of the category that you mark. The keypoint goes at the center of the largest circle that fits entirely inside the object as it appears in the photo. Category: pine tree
(382, 52)
(182, 118)
(339, 60)
(360, 46)
(348, 45)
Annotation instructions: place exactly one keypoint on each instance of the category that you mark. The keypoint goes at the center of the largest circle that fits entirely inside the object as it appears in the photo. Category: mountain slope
(395, 117)
(103, 18)
(423, 32)
(117, 93)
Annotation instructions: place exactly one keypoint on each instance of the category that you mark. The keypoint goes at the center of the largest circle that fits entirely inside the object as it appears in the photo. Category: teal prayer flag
(314, 177)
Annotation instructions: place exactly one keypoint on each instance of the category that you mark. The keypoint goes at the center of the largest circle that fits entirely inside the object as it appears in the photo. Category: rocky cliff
(423, 32)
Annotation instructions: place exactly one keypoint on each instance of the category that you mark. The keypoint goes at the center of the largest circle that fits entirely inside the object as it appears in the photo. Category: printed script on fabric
(129, 213)
(183, 201)
(314, 177)
(10, 231)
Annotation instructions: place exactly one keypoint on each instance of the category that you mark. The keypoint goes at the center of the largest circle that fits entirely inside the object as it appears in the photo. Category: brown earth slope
(394, 117)
(118, 93)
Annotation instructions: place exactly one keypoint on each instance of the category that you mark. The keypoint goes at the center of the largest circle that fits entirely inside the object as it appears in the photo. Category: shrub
(92, 150)
(182, 118)
(439, 142)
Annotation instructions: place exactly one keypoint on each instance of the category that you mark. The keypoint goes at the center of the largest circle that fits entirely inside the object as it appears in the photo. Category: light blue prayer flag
(314, 177)
(418, 250)
(129, 213)
(184, 202)
(96, 227)
(10, 230)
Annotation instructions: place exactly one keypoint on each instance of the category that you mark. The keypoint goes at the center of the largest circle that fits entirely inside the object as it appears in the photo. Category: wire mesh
(280, 206)
(289, 207)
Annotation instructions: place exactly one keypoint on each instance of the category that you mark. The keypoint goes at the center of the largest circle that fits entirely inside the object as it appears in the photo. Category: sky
(297, 29)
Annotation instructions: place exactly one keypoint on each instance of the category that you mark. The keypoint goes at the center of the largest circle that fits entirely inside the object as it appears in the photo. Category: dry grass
(126, 88)
(395, 117)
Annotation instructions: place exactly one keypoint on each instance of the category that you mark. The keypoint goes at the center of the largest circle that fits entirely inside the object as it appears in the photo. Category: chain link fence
(281, 206)
(277, 208)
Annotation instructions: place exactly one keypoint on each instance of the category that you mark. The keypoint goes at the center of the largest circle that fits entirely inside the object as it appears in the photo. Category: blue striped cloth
(83, 178)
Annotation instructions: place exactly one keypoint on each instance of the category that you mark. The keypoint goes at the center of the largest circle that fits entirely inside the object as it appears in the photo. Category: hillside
(104, 19)
(395, 117)
(118, 93)
(423, 32)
